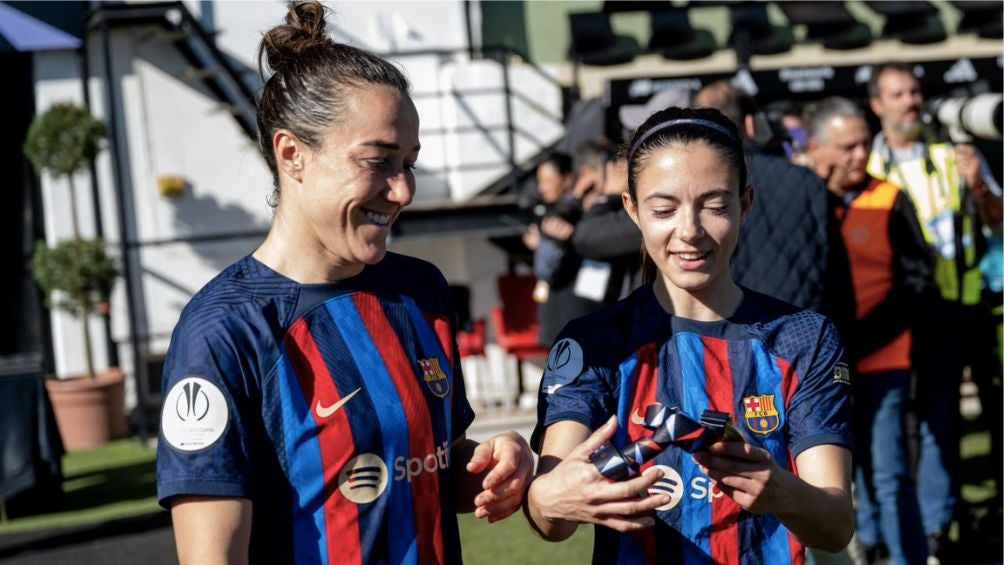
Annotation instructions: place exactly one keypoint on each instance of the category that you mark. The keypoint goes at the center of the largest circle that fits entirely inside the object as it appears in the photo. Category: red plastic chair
(515, 319)
(472, 342)
(516, 323)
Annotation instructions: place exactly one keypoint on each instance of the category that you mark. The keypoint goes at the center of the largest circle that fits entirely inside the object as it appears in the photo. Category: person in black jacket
(608, 241)
(555, 179)
(567, 298)
(790, 246)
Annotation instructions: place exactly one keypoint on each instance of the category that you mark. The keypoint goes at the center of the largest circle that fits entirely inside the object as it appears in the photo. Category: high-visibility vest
(870, 253)
(933, 185)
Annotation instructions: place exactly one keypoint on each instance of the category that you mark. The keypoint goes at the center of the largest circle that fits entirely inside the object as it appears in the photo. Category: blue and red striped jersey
(332, 407)
(776, 369)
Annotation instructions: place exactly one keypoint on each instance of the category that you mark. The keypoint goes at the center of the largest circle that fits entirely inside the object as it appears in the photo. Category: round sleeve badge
(564, 364)
(195, 414)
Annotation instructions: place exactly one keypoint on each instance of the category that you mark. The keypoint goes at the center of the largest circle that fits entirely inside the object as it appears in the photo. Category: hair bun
(304, 30)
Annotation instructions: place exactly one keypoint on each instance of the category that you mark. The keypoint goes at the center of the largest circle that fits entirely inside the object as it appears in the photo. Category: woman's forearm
(550, 529)
(820, 517)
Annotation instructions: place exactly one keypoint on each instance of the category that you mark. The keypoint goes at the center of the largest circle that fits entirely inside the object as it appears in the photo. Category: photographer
(955, 195)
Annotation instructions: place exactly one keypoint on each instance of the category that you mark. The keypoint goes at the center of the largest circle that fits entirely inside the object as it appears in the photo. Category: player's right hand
(557, 228)
(574, 490)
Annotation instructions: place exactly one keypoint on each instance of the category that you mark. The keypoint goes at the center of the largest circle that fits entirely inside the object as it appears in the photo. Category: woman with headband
(692, 339)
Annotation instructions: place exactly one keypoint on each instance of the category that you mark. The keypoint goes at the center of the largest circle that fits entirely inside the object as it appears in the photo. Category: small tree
(60, 142)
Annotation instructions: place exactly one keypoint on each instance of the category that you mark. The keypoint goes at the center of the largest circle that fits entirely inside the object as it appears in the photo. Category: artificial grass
(114, 481)
(511, 541)
(118, 480)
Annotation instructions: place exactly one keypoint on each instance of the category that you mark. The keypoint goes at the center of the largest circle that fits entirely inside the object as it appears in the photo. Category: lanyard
(929, 169)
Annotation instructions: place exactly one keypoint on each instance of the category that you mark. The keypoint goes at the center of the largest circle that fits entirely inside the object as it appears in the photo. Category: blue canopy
(25, 33)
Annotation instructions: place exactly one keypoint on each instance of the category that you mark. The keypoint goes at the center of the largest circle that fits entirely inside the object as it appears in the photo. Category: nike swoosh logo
(325, 411)
(637, 417)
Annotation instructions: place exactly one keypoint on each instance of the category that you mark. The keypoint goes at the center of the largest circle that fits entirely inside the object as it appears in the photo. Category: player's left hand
(746, 474)
(509, 463)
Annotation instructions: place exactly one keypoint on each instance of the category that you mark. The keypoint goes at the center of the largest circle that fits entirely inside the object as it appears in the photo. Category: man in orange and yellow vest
(955, 196)
(892, 281)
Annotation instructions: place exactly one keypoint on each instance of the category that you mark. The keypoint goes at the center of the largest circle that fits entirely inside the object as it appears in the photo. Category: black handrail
(157, 12)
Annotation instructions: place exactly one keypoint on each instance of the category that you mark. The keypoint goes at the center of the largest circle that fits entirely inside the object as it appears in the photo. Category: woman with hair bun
(314, 406)
(695, 340)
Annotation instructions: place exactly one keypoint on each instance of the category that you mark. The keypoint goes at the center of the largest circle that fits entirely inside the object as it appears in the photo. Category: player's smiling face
(689, 211)
(355, 184)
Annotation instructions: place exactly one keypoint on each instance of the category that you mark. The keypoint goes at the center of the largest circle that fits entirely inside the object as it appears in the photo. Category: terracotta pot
(89, 412)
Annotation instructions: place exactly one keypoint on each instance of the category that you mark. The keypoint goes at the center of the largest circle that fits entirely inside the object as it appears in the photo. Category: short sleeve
(574, 386)
(205, 442)
(820, 410)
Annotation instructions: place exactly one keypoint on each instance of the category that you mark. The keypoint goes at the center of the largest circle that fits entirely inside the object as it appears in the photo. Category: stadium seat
(593, 41)
(471, 342)
(471, 337)
(984, 18)
(754, 34)
(915, 22)
(674, 38)
(829, 23)
(515, 319)
(515, 323)
(470, 332)
(617, 6)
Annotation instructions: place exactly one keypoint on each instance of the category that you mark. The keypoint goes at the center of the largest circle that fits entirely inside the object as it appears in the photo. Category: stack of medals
(670, 427)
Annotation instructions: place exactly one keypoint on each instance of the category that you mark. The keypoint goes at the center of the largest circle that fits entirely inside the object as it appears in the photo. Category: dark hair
(719, 132)
(735, 103)
(309, 74)
(594, 152)
(879, 70)
(560, 161)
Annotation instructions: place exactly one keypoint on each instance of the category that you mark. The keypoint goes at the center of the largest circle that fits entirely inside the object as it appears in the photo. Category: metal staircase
(209, 66)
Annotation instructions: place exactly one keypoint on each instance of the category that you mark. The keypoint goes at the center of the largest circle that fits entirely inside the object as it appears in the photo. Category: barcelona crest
(760, 413)
(434, 377)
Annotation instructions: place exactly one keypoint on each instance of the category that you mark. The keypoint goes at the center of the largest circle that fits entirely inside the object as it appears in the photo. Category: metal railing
(503, 55)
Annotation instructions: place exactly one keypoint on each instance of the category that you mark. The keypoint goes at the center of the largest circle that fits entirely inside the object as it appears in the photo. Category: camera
(968, 118)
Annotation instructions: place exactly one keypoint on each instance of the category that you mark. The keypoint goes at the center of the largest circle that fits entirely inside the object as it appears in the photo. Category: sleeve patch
(195, 414)
(841, 373)
(564, 364)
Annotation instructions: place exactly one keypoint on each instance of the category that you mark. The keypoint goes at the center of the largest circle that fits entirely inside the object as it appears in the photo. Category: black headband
(677, 122)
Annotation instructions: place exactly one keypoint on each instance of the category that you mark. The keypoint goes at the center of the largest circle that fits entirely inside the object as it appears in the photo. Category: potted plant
(76, 275)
